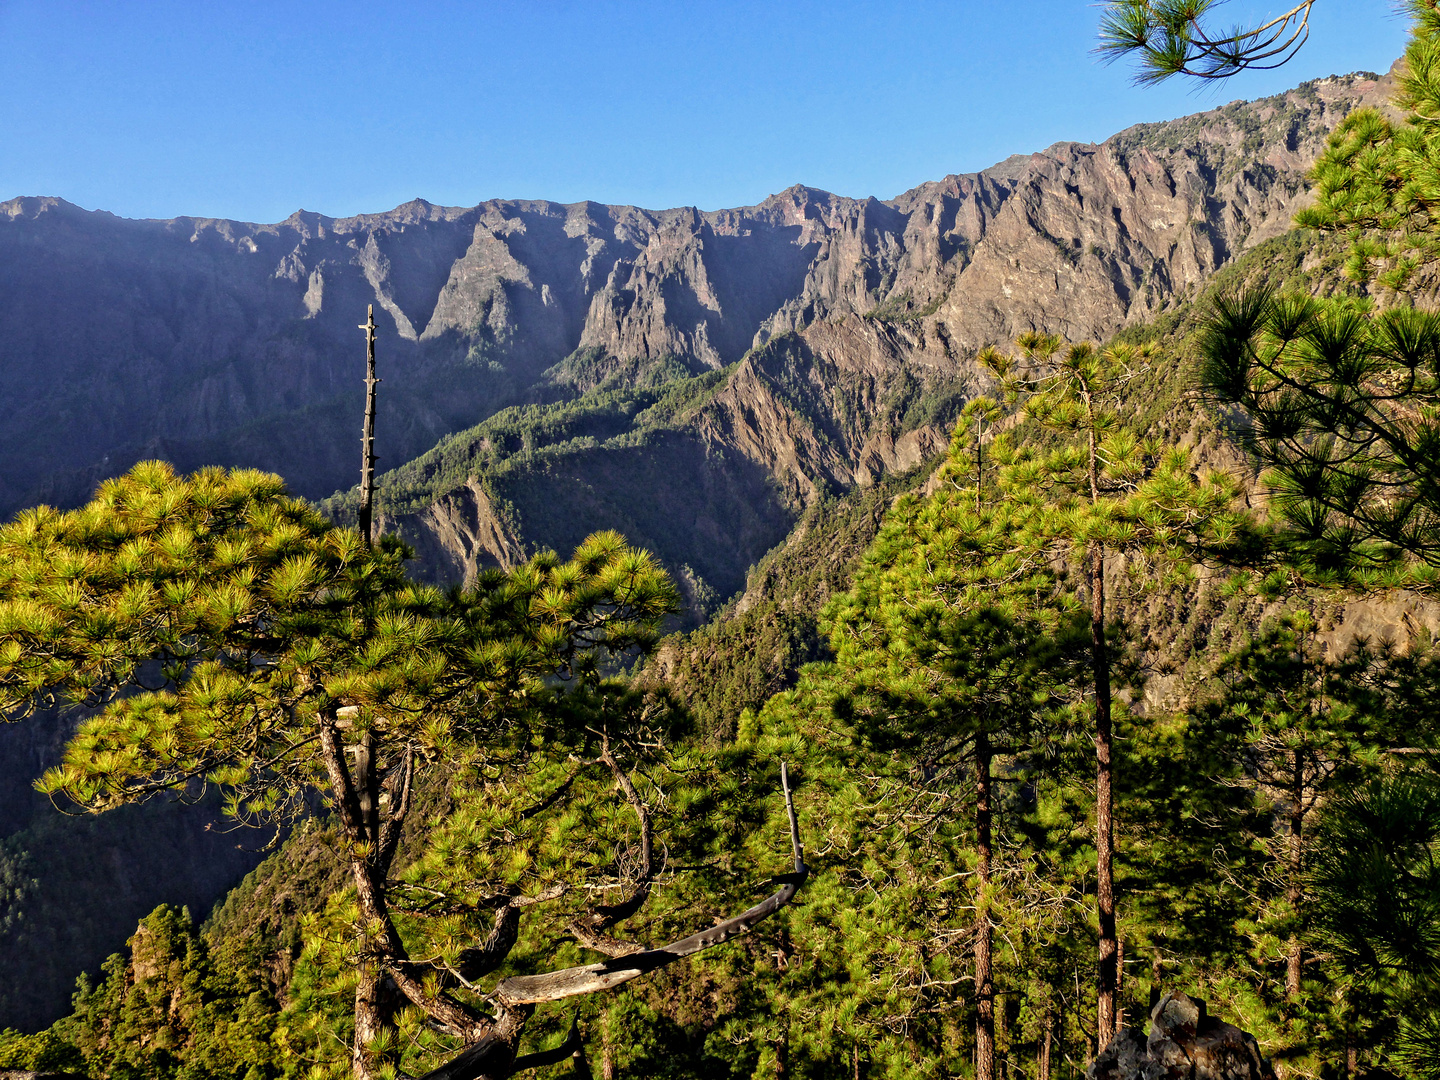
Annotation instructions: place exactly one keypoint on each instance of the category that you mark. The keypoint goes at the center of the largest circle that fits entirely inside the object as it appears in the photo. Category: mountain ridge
(836, 411)
(645, 373)
(208, 340)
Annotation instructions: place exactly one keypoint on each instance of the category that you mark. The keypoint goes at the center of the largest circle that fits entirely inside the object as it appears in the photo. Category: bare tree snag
(1294, 953)
(367, 436)
(590, 930)
(493, 1054)
(591, 978)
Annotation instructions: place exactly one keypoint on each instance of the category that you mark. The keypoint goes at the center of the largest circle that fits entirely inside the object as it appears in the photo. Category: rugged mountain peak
(307, 224)
(31, 207)
(233, 342)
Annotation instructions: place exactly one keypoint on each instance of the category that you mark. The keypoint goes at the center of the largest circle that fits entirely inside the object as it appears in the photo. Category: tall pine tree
(227, 634)
(1107, 492)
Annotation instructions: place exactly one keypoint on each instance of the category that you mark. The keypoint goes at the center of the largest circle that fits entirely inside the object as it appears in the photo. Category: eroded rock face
(1185, 1043)
(224, 342)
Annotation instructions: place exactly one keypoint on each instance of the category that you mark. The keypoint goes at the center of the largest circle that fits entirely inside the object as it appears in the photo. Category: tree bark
(1042, 1064)
(357, 797)
(1002, 1038)
(1108, 968)
(370, 1018)
(984, 974)
(1119, 983)
(1295, 957)
(491, 1055)
(494, 1056)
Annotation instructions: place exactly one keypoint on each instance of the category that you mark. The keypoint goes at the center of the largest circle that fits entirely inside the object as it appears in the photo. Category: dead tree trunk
(1294, 959)
(367, 435)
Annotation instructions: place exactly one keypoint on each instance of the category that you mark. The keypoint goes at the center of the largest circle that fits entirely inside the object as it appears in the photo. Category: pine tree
(228, 635)
(958, 647)
(1176, 37)
(1378, 182)
(1291, 726)
(955, 653)
(1340, 406)
(1108, 491)
(1376, 902)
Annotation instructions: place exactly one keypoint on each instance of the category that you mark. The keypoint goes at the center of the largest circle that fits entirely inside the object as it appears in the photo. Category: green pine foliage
(228, 635)
(1378, 182)
(1338, 403)
(1179, 37)
(1376, 900)
(953, 653)
(936, 665)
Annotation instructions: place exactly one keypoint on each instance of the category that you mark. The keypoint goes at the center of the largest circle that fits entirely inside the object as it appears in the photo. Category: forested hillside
(1014, 600)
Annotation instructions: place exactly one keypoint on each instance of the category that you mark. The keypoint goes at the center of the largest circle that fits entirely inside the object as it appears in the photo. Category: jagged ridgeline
(221, 342)
(715, 386)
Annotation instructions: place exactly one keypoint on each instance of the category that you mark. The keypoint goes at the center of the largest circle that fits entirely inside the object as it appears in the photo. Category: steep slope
(707, 471)
(1079, 240)
(219, 341)
(72, 888)
(701, 381)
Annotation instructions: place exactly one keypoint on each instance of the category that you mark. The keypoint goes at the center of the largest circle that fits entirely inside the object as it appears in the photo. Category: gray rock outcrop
(1185, 1043)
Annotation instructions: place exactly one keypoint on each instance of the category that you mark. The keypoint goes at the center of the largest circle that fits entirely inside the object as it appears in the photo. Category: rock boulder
(1185, 1043)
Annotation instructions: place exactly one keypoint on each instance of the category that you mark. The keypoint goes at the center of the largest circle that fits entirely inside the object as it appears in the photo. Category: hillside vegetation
(948, 586)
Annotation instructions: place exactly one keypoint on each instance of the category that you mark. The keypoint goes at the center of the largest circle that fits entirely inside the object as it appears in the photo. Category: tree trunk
(1119, 983)
(357, 798)
(607, 1056)
(1108, 969)
(984, 976)
(370, 1018)
(494, 1056)
(1002, 1038)
(1042, 1064)
(1295, 955)
(1155, 975)
(1060, 1027)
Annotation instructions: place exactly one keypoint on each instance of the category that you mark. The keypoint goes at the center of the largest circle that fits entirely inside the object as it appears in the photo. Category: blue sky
(250, 109)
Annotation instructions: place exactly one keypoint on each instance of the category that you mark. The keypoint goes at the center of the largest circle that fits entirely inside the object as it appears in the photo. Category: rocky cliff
(696, 380)
(886, 312)
(220, 341)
